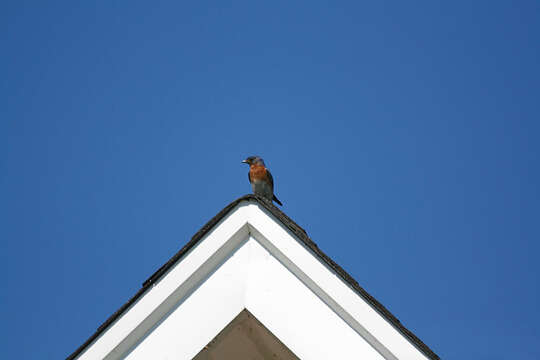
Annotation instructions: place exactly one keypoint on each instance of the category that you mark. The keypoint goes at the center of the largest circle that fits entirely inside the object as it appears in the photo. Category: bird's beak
(244, 161)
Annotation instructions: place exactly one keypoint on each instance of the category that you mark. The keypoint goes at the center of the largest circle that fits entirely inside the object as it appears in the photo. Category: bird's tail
(276, 200)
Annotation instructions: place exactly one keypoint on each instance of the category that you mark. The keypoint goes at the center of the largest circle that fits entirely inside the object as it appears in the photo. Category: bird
(261, 179)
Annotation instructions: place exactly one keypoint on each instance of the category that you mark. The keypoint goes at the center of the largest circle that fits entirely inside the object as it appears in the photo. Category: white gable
(249, 260)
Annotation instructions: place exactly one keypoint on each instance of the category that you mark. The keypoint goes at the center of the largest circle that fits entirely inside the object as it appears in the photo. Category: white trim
(356, 311)
(178, 281)
(250, 223)
(252, 278)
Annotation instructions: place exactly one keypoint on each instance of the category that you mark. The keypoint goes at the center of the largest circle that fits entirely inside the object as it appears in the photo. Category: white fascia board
(207, 282)
(296, 315)
(330, 287)
(253, 278)
(140, 317)
(192, 323)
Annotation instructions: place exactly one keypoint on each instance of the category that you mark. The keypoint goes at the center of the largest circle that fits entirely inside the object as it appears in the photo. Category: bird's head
(254, 160)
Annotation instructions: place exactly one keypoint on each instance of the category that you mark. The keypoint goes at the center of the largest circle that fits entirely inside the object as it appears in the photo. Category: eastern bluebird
(260, 178)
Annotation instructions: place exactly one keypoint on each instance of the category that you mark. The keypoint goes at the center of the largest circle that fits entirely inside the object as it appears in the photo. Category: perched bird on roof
(260, 178)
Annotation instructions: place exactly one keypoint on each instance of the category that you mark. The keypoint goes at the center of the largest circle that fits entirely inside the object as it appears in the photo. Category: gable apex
(255, 227)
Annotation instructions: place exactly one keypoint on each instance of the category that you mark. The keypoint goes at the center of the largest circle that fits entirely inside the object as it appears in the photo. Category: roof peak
(300, 234)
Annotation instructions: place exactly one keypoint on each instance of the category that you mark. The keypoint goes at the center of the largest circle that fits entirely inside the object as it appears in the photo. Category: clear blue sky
(404, 137)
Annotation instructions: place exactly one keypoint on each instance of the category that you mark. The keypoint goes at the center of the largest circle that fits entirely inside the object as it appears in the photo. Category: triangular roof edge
(301, 234)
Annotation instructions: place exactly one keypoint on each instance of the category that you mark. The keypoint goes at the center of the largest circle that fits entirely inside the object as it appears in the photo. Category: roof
(301, 235)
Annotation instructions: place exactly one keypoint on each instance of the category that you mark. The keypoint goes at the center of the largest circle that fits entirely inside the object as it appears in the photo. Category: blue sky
(402, 136)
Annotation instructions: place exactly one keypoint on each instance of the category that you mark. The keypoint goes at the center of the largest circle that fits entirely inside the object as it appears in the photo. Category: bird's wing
(270, 179)
(249, 177)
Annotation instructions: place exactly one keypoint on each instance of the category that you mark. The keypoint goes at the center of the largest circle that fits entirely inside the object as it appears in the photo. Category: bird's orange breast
(257, 172)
